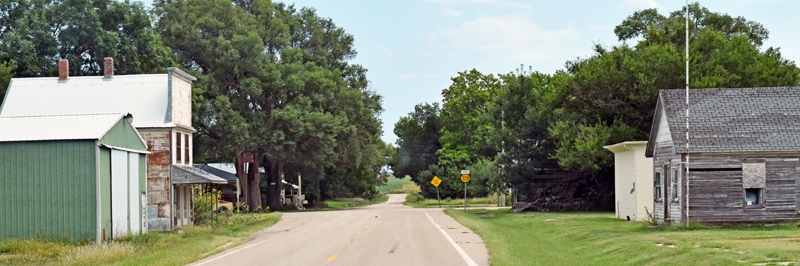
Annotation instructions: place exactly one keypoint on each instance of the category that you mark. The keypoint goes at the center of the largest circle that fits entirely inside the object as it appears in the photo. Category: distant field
(599, 239)
(395, 183)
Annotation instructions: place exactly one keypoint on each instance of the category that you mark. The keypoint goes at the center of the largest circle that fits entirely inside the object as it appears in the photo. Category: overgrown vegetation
(184, 246)
(599, 239)
(416, 200)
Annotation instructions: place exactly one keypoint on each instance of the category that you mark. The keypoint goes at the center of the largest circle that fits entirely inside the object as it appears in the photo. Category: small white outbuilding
(633, 180)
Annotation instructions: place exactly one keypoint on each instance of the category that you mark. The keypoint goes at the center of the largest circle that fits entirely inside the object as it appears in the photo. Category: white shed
(633, 180)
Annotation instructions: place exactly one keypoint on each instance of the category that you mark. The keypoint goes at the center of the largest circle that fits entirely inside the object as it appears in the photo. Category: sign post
(436, 181)
(465, 178)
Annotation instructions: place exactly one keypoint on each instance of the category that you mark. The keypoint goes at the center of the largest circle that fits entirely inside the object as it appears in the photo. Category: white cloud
(442, 1)
(452, 55)
(515, 5)
(416, 76)
(386, 51)
(640, 4)
(451, 12)
(512, 37)
(480, 1)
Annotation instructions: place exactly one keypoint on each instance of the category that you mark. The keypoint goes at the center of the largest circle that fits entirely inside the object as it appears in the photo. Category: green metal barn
(76, 176)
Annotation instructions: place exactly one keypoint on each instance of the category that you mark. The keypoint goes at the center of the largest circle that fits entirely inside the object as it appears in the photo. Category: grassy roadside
(414, 200)
(598, 239)
(154, 248)
(343, 205)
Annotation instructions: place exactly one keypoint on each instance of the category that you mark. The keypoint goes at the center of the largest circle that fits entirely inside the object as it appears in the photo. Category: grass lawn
(395, 183)
(343, 205)
(154, 248)
(599, 239)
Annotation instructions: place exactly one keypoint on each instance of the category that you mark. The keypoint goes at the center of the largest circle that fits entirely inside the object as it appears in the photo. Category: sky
(413, 47)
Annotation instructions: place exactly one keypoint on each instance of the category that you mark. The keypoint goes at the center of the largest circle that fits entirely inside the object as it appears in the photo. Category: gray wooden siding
(717, 195)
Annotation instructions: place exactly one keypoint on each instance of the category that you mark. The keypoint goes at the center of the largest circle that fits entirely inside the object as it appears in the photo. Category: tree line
(512, 128)
(273, 80)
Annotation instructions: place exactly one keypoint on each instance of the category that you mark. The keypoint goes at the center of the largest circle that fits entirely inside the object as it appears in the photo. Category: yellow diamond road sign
(436, 181)
(465, 178)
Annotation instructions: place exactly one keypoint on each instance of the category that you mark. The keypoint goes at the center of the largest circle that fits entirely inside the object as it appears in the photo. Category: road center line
(348, 242)
(334, 256)
(464, 255)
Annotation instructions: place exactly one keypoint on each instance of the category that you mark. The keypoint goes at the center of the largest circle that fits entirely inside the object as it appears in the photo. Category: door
(667, 191)
(119, 193)
(134, 194)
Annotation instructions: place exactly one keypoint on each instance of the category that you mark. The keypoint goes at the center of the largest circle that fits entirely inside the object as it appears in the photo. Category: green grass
(452, 203)
(599, 239)
(154, 248)
(344, 205)
(395, 183)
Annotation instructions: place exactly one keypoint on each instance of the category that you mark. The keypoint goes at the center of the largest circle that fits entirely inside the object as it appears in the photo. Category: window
(676, 173)
(752, 197)
(657, 186)
(186, 148)
(178, 149)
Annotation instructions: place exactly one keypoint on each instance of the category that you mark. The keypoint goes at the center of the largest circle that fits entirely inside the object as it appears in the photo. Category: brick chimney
(108, 67)
(63, 69)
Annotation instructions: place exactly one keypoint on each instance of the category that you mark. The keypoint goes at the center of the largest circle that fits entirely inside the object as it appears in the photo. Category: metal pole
(687, 113)
(437, 197)
(465, 196)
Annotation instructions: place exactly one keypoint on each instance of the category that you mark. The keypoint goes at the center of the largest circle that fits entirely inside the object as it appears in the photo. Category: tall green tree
(275, 81)
(613, 94)
(35, 34)
(417, 141)
(464, 136)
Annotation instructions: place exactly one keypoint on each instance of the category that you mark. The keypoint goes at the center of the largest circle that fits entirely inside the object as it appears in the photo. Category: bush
(414, 197)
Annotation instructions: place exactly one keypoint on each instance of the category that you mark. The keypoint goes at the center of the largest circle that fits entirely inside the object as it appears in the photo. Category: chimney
(108, 67)
(63, 69)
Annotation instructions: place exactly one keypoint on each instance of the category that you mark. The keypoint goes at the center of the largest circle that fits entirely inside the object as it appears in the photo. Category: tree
(417, 141)
(519, 115)
(464, 136)
(613, 92)
(275, 81)
(34, 34)
(6, 72)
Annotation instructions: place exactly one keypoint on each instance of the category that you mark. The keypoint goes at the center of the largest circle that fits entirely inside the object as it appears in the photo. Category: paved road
(382, 234)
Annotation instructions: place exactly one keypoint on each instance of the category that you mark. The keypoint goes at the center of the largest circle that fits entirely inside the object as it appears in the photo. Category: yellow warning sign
(436, 181)
(465, 178)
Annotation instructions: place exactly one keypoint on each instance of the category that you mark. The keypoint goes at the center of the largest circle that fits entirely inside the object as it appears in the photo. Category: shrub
(414, 197)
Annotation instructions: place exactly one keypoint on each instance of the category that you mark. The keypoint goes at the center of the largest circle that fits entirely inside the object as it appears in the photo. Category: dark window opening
(752, 197)
(178, 150)
(186, 148)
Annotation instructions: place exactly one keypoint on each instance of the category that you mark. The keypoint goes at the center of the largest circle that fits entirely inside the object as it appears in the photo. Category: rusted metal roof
(190, 175)
(144, 96)
(56, 127)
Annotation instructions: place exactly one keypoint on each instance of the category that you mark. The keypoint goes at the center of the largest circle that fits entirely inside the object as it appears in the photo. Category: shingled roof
(738, 120)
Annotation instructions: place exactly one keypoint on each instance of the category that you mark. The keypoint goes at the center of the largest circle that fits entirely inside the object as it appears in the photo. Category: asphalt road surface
(382, 234)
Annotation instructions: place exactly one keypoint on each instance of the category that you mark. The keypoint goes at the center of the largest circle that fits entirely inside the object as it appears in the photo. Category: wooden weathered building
(75, 176)
(744, 156)
(161, 104)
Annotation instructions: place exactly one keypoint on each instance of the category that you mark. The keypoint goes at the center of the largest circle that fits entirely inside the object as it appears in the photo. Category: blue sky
(413, 47)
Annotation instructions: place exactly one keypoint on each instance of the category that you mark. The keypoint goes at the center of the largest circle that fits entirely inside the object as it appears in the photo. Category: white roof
(56, 127)
(146, 97)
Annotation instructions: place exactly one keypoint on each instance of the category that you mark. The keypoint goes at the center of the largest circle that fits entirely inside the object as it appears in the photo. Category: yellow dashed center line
(348, 242)
(359, 233)
(366, 226)
(334, 256)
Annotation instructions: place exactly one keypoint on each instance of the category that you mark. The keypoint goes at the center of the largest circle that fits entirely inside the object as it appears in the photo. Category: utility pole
(687, 113)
